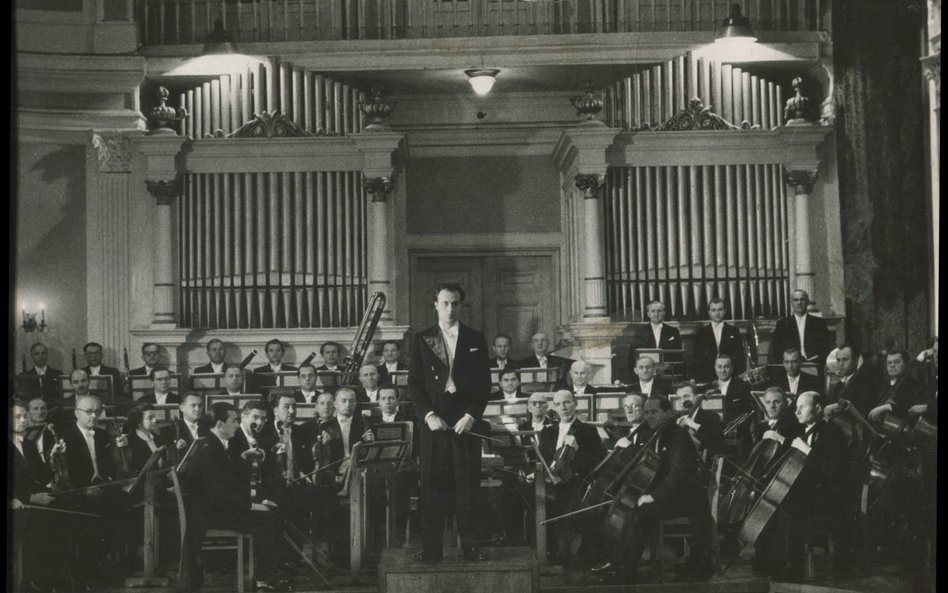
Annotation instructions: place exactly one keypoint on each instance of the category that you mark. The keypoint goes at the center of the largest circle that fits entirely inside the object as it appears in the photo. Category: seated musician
(704, 426)
(369, 380)
(274, 351)
(307, 393)
(325, 407)
(679, 489)
(243, 446)
(79, 380)
(501, 348)
(542, 359)
(928, 408)
(187, 427)
(141, 429)
(38, 413)
(646, 382)
(219, 498)
(388, 404)
(151, 356)
(538, 408)
(794, 381)
(391, 351)
(737, 400)
(817, 490)
(588, 451)
(233, 381)
(162, 393)
(902, 390)
(634, 407)
(780, 417)
(579, 373)
(858, 383)
(509, 386)
(215, 356)
(408, 475)
(30, 487)
(329, 352)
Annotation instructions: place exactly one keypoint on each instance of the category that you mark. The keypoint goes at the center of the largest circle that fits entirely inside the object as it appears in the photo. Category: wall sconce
(482, 79)
(736, 27)
(30, 324)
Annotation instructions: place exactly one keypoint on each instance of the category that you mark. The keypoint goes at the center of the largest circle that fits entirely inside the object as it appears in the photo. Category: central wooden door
(512, 294)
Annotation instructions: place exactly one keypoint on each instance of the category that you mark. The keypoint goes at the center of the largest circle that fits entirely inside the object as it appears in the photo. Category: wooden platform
(509, 570)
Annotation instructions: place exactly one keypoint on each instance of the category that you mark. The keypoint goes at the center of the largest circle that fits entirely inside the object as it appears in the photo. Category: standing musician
(679, 489)
(48, 378)
(568, 468)
(187, 427)
(634, 406)
(716, 338)
(703, 426)
(817, 491)
(657, 334)
(449, 383)
(219, 497)
(737, 400)
(794, 381)
(502, 349)
(801, 330)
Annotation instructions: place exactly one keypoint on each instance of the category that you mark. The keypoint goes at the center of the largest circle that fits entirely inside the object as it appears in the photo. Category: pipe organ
(686, 233)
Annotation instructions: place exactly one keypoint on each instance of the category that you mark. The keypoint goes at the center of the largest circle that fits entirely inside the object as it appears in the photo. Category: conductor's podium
(509, 570)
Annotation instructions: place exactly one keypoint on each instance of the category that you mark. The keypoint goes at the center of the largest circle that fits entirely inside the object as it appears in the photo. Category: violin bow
(549, 472)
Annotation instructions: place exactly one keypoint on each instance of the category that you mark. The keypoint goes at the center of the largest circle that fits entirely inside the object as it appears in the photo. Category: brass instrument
(755, 375)
(247, 359)
(363, 338)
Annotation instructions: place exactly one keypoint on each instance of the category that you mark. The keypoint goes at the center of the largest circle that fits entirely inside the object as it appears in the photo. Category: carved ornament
(165, 191)
(378, 187)
(272, 125)
(698, 117)
(588, 183)
(113, 153)
(800, 179)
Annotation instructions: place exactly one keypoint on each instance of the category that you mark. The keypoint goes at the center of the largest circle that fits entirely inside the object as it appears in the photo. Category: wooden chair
(819, 532)
(226, 539)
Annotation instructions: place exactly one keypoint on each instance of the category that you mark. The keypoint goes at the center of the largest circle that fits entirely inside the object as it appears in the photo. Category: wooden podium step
(509, 570)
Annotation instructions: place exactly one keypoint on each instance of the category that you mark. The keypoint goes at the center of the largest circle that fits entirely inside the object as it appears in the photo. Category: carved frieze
(378, 187)
(272, 125)
(165, 191)
(800, 179)
(588, 183)
(113, 152)
(698, 117)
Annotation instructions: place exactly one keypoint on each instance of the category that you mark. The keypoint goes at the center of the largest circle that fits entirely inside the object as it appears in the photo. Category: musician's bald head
(564, 404)
(579, 372)
(80, 381)
(809, 407)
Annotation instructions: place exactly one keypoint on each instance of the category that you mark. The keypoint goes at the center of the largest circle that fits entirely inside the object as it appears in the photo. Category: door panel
(512, 294)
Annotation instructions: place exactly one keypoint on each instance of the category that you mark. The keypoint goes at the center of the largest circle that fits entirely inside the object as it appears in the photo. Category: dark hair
(322, 348)
(450, 287)
(663, 403)
(212, 341)
(187, 394)
(304, 366)
(47, 347)
(255, 404)
(218, 412)
(654, 302)
(151, 375)
(33, 398)
(901, 352)
(856, 350)
(686, 383)
(508, 371)
(135, 417)
(715, 301)
(17, 402)
(147, 344)
(276, 395)
(509, 339)
(93, 344)
(792, 351)
(274, 341)
(396, 342)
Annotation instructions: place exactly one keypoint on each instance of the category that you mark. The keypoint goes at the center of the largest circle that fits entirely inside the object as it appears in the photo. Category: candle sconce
(30, 324)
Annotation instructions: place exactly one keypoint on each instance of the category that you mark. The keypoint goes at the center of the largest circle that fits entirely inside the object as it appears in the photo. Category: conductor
(449, 383)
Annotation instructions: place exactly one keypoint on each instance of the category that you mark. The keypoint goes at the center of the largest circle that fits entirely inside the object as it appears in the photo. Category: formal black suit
(179, 430)
(587, 390)
(151, 398)
(207, 369)
(445, 455)
(362, 396)
(30, 474)
(659, 387)
(260, 378)
(642, 337)
(300, 398)
(79, 461)
(325, 369)
(509, 363)
(902, 395)
(384, 378)
(786, 425)
(141, 371)
(500, 396)
(816, 338)
(558, 362)
(710, 433)
(862, 388)
(47, 386)
(118, 381)
(138, 452)
(680, 490)
(738, 401)
(706, 351)
(807, 382)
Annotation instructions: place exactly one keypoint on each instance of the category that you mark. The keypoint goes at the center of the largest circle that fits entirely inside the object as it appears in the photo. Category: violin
(285, 451)
(57, 463)
(117, 430)
(322, 458)
(562, 465)
(255, 473)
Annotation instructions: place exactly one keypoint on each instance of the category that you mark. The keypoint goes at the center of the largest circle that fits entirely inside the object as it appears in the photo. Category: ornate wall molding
(113, 152)
(165, 191)
(272, 125)
(588, 183)
(698, 117)
(800, 179)
(378, 187)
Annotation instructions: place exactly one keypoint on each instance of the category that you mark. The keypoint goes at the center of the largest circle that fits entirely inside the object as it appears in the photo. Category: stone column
(801, 182)
(594, 278)
(163, 183)
(380, 250)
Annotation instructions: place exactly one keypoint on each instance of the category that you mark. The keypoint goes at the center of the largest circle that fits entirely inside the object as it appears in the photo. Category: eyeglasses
(94, 412)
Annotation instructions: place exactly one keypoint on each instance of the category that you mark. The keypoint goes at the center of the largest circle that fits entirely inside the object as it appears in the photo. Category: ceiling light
(482, 79)
(219, 41)
(736, 27)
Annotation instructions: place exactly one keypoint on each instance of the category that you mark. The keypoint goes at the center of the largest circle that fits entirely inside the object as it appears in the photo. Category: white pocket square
(473, 349)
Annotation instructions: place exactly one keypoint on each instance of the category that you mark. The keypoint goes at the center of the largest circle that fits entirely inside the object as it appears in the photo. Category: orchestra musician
(543, 359)
(274, 351)
(716, 338)
(704, 426)
(215, 356)
(162, 393)
(391, 351)
(587, 452)
(902, 390)
(646, 382)
(794, 381)
(449, 384)
(657, 334)
(325, 407)
(501, 348)
(151, 356)
(737, 400)
(509, 386)
(780, 416)
(407, 475)
(330, 352)
(817, 491)
(634, 407)
(579, 373)
(679, 489)
(141, 428)
(369, 380)
(94, 367)
(538, 409)
(187, 427)
(307, 392)
(219, 498)
(233, 381)
(38, 414)
(47, 377)
(801, 330)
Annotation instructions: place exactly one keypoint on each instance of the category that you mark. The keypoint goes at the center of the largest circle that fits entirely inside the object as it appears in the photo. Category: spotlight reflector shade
(219, 41)
(482, 79)
(736, 27)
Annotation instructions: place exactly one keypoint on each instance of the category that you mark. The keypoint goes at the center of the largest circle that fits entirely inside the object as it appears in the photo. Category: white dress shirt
(801, 328)
(657, 332)
(564, 429)
(310, 397)
(717, 329)
(345, 426)
(217, 369)
(450, 335)
(94, 370)
(18, 441)
(646, 388)
(793, 383)
(161, 398)
(192, 428)
(89, 436)
(542, 361)
(510, 395)
(372, 395)
(391, 367)
(390, 418)
(723, 385)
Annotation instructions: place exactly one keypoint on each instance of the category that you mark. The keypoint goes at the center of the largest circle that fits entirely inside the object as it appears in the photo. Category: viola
(562, 465)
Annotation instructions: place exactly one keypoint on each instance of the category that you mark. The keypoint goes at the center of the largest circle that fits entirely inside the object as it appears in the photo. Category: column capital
(113, 152)
(581, 150)
(589, 184)
(802, 180)
(378, 187)
(165, 191)
(380, 152)
(931, 68)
